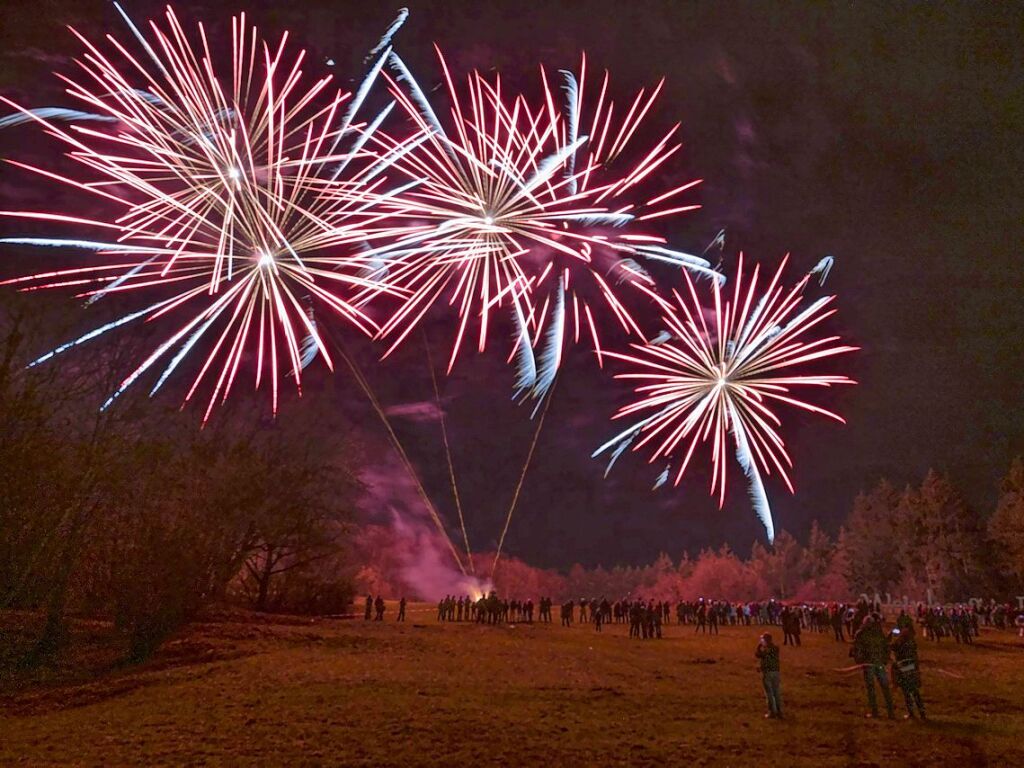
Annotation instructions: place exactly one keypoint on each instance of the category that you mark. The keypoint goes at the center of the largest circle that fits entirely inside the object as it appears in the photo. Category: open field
(339, 692)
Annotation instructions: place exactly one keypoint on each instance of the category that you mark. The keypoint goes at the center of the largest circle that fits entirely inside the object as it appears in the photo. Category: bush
(312, 594)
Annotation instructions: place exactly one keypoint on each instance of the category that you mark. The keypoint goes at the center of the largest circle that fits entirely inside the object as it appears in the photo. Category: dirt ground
(244, 691)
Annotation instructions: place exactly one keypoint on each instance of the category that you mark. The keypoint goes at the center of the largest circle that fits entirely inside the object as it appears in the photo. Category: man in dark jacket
(702, 617)
(871, 651)
(837, 623)
(767, 655)
(905, 669)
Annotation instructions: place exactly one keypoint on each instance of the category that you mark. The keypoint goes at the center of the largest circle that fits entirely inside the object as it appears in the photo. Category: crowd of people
(884, 658)
(961, 622)
(644, 618)
(878, 655)
(490, 609)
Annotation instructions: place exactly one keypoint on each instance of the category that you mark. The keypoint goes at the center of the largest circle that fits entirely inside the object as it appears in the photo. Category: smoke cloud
(412, 547)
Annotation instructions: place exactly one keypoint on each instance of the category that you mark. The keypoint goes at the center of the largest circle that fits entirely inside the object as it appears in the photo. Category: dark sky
(888, 135)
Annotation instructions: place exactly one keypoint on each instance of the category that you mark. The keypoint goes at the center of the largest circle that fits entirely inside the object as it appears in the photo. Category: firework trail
(515, 207)
(706, 379)
(527, 209)
(235, 198)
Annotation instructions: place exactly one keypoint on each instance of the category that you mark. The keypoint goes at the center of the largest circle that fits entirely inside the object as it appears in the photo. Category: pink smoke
(402, 552)
(423, 411)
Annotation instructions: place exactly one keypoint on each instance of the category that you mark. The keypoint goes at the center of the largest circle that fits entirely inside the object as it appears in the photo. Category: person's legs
(916, 692)
(883, 681)
(776, 681)
(769, 693)
(869, 684)
(908, 699)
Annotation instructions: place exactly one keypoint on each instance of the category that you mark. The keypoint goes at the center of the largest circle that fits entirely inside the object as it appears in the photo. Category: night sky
(887, 135)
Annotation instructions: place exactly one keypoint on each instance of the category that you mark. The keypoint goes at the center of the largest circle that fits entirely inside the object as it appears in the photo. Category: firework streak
(239, 203)
(704, 380)
(235, 200)
(513, 206)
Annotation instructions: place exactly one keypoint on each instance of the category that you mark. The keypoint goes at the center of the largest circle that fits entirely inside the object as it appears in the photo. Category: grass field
(339, 692)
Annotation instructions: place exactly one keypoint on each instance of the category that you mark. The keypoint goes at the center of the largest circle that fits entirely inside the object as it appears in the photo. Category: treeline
(921, 543)
(136, 515)
(926, 540)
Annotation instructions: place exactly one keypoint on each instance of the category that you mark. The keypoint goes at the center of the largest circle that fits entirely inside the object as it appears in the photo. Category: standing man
(634, 620)
(859, 616)
(871, 651)
(837, 623)
(369, 608)
(787, 626)
(401, 609)
(767, 655)
(905, 668)
(702, 615)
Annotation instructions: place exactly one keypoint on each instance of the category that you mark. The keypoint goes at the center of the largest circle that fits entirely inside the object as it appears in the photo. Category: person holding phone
(767, 655)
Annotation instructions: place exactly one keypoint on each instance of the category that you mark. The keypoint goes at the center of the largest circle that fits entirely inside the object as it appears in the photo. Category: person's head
(766, 638)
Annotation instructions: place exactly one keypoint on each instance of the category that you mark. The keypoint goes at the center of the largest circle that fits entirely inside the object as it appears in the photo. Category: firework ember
(214, 183)
(721, 373)
(515, 207)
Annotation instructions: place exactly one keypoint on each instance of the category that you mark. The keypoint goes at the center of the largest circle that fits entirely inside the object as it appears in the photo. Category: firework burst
(515, 207)
(717, 376)
(238, 197)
